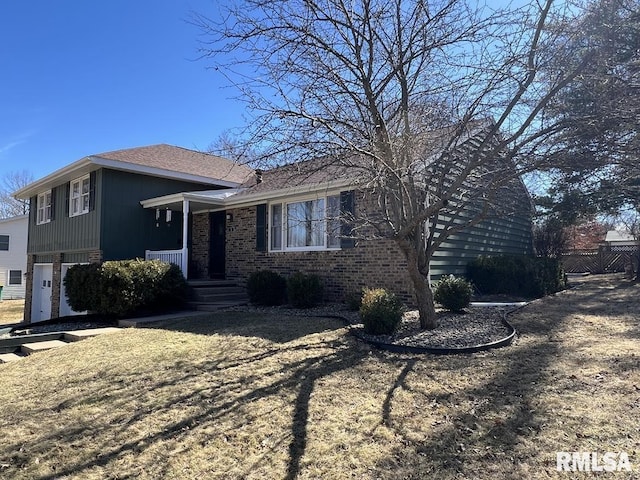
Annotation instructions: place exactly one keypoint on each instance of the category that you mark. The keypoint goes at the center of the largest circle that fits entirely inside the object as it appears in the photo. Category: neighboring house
(617, 238)
(220, 220)
(13, 256)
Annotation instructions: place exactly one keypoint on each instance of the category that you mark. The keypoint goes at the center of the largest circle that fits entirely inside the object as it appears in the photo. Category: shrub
(304, 291)
(525, 276)
(353, 300)
(266, 287)
(453, 293)
(380, 311)
(82, 285)
(125, 287)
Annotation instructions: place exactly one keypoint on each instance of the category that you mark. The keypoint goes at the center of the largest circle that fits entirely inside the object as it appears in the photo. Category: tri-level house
(90, 211)
(220, 220)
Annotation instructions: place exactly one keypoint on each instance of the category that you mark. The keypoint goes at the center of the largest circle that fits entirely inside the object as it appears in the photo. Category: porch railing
(179, 257)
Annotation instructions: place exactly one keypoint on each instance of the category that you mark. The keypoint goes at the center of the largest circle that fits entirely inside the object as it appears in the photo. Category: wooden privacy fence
(603, 260)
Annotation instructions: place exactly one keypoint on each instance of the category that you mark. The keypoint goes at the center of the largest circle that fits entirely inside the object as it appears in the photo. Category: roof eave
(238, 201)
(83, 166)
(159, 172)
(51, 180)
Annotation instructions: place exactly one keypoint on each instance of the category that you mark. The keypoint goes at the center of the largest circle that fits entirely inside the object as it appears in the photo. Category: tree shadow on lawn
(501, 412)
(272, 327)
(219, 397)
(201, 401)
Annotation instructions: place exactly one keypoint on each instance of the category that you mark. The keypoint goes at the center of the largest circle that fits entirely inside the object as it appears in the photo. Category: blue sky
(84, 77)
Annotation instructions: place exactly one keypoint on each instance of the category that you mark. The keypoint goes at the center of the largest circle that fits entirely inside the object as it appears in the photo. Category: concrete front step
(212, 295)
(10, 357)
(29, 348)
(212, 283)
(15, 348)
(77, 335)
(218, 290)
(226, 297)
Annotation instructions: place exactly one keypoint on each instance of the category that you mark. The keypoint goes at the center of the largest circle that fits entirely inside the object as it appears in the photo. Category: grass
(11, 311)
(245, 396)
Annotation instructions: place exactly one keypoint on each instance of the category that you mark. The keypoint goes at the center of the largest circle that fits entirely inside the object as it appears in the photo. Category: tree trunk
(423, 293)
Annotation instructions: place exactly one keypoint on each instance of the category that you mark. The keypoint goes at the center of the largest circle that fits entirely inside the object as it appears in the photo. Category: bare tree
(11, 182)
(438, 104)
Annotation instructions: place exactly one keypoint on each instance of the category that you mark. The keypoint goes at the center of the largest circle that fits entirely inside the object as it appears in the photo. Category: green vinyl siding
(127, 228)
(494, 236)
(64, 233)
(116, 224)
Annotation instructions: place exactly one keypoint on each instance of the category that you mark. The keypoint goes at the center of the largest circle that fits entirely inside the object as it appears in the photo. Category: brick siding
(371, 263)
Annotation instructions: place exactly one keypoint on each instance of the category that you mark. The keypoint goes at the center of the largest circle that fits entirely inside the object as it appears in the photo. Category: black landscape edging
(395, 348)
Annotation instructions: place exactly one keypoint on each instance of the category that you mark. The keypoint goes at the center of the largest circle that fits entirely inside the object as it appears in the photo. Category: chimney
(258, 176)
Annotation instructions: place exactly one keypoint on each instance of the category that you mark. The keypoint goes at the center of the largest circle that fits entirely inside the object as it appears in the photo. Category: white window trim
(283, 242)
(40, 207)
(79, 181)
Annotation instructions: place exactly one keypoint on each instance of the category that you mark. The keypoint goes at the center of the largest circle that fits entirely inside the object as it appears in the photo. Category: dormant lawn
(11, 311)
(244, 396)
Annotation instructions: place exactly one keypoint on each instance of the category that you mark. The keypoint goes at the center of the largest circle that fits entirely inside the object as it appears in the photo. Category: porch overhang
(201, 201)
(211, 200)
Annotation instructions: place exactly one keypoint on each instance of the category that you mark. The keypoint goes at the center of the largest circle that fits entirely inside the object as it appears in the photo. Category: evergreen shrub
(380, 311)
(530, 277)
(453, 293)
(266, 287)
(125, 287)
(304, 290)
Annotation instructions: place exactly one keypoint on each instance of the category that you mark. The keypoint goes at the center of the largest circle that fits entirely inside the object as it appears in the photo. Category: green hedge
(125, 287)
(266, 287)
(304, 290)
(530, 277)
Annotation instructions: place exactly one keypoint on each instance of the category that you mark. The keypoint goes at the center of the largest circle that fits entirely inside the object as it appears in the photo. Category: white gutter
(235, 200)
(52, 179)
(84, 165)
(261, 197)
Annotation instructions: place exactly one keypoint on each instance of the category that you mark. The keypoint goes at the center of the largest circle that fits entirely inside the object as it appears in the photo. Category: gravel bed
(476, 326)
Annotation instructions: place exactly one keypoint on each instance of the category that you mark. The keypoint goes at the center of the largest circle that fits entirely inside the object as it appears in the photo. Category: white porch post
(185, 233)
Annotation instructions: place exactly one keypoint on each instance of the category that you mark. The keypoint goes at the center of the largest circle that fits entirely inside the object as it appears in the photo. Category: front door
(41, 296)
(217, 244)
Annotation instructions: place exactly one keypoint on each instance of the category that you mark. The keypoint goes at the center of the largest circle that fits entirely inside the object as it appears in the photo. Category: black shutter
(67, 194)
(261, 227)
(33, 209)
(53, 203)
(92, 191)
(347, 211)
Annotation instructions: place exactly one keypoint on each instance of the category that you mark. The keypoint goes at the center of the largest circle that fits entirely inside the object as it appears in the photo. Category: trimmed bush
(82, 285)
(304, 291)
(353, 301)
(380, 311)
(125, 287)
(529, 277)
(266, 287)
(453, 293)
